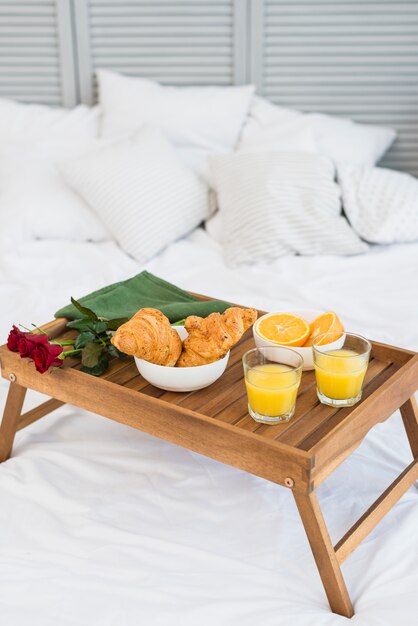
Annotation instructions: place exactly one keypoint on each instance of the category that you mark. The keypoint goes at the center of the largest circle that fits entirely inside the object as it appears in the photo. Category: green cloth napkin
(124, 299)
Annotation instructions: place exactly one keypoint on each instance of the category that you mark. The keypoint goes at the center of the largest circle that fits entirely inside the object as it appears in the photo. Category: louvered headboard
(354, 58)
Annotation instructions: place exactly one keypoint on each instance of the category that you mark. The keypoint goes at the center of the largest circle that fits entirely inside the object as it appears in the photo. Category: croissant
(210, 338)
(149, 336)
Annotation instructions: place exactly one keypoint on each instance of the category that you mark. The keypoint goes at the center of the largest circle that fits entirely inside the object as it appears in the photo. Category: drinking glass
(272, 378)
(340, 368)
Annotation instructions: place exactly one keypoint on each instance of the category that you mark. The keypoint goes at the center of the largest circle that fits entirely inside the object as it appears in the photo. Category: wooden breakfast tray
(214, 421)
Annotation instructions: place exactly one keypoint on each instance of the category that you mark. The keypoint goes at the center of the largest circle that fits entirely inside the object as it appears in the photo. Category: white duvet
(103, 525)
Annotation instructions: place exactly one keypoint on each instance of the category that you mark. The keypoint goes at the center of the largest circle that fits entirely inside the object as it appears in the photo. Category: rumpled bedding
(104, 525)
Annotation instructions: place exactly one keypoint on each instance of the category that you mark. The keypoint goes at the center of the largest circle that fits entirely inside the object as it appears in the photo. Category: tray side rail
(338, 443)
(276, 462)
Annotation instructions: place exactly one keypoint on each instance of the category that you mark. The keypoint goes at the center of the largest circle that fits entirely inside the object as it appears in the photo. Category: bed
(101, 524)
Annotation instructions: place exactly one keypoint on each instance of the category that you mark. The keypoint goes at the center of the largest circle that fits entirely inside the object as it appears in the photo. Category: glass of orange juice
(340, 366)
(272, 377)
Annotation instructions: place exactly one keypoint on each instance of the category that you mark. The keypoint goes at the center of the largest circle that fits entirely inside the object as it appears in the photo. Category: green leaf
(113, 351)
(84, 338)
(86, 312)
(91, 354)
(179, 323)
(86, 324)
(114, 324)
(98, 369)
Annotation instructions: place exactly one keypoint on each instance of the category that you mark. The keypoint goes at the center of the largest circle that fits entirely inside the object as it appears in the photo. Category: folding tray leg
(13, 419)
(328, 557)
(11, 415)
(324, 554)
(409, 412)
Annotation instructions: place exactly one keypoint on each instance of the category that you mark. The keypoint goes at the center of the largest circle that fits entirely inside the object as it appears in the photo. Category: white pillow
(198, 121)
(270, 129)
(337, 138)
(34, 200)
(273, 203)
(381, 204)
(37, 122)
(141, 190)
(342, 139)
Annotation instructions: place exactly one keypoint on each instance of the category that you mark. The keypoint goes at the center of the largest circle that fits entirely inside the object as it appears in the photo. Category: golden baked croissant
(148, 335)
(210, 338)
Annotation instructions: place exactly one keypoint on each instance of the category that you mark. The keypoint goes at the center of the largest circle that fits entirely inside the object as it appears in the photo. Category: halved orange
(328, 322)
(285, 329)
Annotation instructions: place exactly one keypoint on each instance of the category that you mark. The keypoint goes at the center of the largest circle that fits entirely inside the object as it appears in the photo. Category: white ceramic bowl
(181, 378)
(306, 353)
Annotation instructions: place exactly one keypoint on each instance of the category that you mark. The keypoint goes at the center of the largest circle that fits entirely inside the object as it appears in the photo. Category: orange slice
(326, 323)
(285, 329)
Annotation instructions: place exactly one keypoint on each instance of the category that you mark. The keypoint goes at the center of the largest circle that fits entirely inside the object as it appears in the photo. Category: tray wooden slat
(329, 419)
(198, 399)
(299, 429)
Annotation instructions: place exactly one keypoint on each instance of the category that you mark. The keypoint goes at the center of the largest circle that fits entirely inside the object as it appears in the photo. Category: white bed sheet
(101, 524)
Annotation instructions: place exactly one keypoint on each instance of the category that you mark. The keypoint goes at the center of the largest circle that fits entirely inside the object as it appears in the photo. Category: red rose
(27, 342)
(13, 338)
(45, 356)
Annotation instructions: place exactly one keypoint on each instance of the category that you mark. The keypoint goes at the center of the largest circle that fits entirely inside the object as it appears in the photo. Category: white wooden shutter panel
(179, 42)
(36, 56)
(354, 58)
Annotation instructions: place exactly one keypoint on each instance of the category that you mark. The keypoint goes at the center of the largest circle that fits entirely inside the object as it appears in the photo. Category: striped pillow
(143, 193)
(277, 203)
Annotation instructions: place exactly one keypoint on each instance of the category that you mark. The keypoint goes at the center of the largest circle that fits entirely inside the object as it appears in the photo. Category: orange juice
(272, 388)
(340, 378)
